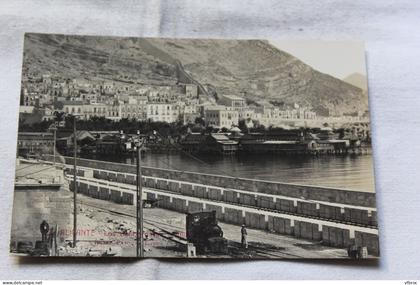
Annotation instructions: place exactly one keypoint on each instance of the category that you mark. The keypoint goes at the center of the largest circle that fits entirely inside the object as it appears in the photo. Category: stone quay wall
(341, 196)
(320, 209)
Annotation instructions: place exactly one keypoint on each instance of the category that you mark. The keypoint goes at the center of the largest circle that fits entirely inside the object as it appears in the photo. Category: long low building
(288, 142)
(33, 143)
(210, 143)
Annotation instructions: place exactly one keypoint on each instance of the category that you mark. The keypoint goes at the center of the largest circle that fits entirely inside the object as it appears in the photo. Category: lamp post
(53, 128)
(75, 183)
(139, 204)
(58, 120)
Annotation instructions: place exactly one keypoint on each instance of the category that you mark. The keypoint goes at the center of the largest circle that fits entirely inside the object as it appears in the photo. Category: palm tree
(59, 116)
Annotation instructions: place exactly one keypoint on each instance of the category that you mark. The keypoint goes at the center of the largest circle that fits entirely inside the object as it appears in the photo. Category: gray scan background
(391, 31)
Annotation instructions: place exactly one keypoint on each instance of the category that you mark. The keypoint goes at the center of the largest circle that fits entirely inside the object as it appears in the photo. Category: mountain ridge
(254, 69)
(357, 79)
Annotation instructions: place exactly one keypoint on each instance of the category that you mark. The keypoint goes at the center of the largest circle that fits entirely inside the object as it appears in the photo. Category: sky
(338, 59)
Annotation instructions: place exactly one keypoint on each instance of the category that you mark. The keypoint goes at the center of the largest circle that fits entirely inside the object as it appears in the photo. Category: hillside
(253, 68)
(357, 79)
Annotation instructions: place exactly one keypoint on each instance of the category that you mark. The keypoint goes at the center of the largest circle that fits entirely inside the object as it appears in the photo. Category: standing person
(52, 235)
(44, 228)
(244, 234)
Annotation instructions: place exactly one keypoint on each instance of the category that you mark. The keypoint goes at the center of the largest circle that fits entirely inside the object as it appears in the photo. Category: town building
(26, 109)
(114, 110)
(163, 112)
(35, 143)
(191, 91)
(85, 142)
(135, 108)
(190, 118)
(221, 117)
(235, 102)
(209, 143)
(86, 111)
(47, 114)
(75, 108)
(247, 113)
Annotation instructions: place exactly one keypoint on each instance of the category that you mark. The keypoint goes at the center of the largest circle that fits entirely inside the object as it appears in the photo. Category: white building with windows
(135, 108)
(235, 102)
(191, 91)
(221, 117)
(86, 111)
(162, 112)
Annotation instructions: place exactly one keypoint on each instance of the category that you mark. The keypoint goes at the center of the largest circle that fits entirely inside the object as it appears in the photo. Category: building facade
(162, 112)
(235, 102)
(35, 143)
(221, 117)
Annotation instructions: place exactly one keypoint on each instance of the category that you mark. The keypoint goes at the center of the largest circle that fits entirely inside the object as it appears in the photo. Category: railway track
(257, 252)
(165, 231)
(147, 224)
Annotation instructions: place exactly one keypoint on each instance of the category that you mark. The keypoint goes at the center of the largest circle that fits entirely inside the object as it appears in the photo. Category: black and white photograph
(194, 148)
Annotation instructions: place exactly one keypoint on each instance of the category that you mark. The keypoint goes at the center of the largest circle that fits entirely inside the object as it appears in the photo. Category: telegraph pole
(53, 128)
(75, 183)
(139, 205)
(55, 138)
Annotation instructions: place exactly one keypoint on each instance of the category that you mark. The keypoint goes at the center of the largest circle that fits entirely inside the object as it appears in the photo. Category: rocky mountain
(253, 69)
(357, 79)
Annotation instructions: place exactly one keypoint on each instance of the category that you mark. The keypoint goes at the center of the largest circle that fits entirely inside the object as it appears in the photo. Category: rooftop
(279, 142)
(34, 135)
(75, 103)
(215, 108)
(233, 97)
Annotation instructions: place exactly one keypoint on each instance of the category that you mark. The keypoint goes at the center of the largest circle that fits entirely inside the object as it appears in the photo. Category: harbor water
(351, 172)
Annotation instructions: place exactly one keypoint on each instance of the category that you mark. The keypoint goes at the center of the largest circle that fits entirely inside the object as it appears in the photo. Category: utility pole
(53, 128)
(55, 138)
(139, 205)
(75, 183)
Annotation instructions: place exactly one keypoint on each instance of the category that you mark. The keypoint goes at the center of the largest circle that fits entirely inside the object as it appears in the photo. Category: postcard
(193, 148)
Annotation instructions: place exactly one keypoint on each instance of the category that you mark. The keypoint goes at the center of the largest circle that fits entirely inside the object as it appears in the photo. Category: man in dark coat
(244, 234)
(44, 228)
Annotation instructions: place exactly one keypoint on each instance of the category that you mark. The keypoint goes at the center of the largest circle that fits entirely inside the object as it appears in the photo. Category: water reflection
(354, 172)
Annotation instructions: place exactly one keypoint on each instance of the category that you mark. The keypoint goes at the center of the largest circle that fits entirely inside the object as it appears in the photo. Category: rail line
(172, 236)
(152, 225)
